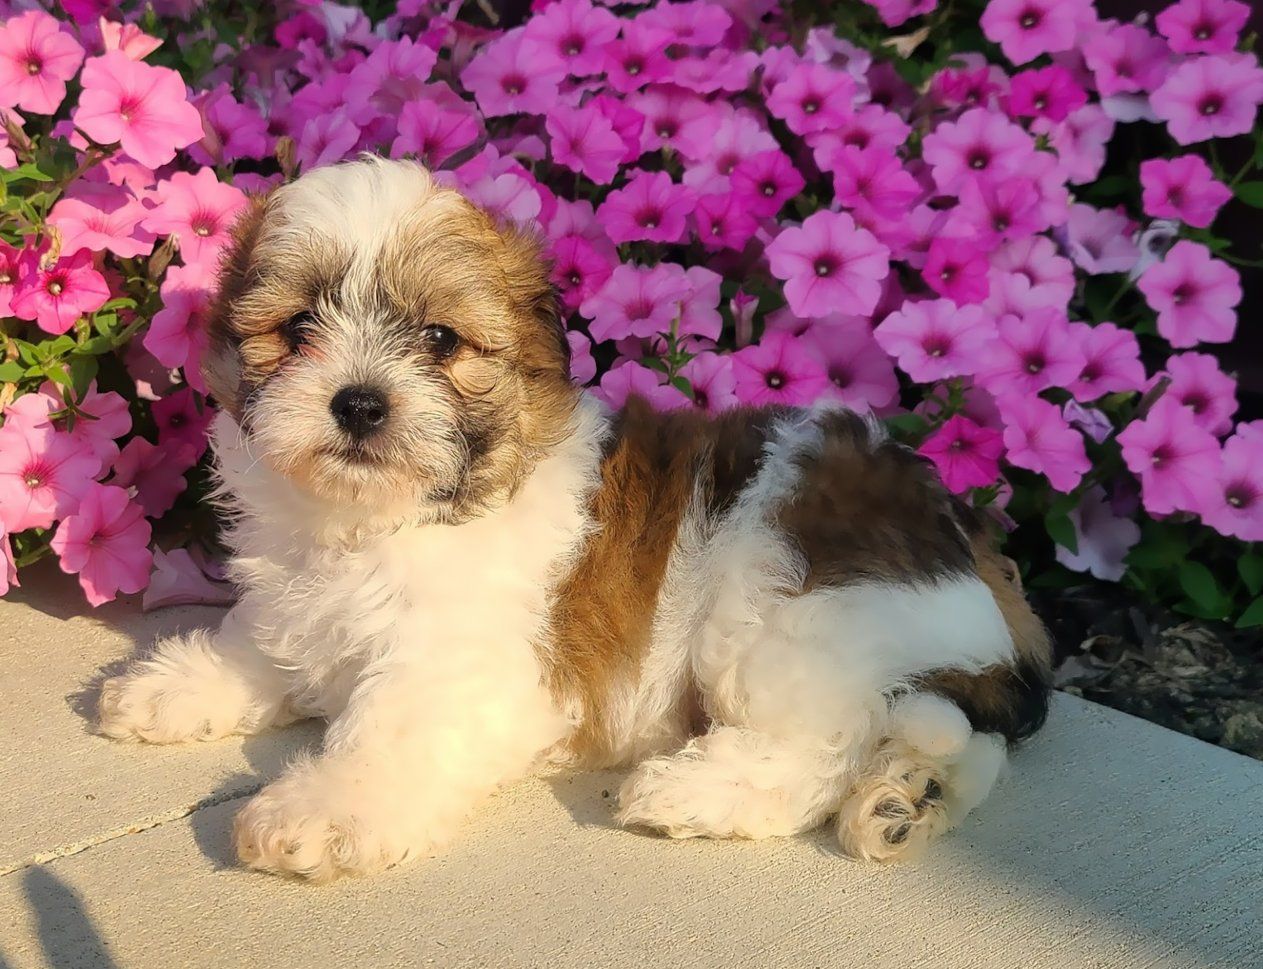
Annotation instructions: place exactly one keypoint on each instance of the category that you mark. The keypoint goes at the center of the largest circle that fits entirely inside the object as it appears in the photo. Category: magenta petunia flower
(981, 144)
(106, 542)
(233, 130)
(1182, 188)
(1024, 29)
(1199, 384)
(974, 85)
(104, 417)
(1030, 354)
(177, 336)
(637, 58)
(872, 177)
(1194, 294)
(12, 267)
(724, 221)
(182, 418)
(650, 207)
(637, 301)
(507, 77)
(711, 378)
(737, 137)
(1038, 438)
(1080, 142)
(829, 265)
(1125, 58)
(966, 454)
(1203, 26)
(936, 339)
(861, 374)
(177, 580)
(992, 210)
(1235, 506)
(328, 138)
(895, 12)
(107, 221)
(695, 24)
(632, 379)
(37, 58)
(8, 566)
(582, 365)
(1216, 96)
(1100, 240)
(43, 475)
(779, 369)
(676, 119)
(957, 269)
(869, 126)
(1050, 275)
(699, 313)
(433, 133)
(579, 269)
(584, 140)
(764, 181)
(1173, 456)
(393, 75)
(199, 210)
(156, 473)
(56, 297)
(511, 196)
(1048, 92)
(572, 34)
(128, 38)
(812, 97)
(1103, 538)
(1111, 362)
(719, 70)
(141, 107)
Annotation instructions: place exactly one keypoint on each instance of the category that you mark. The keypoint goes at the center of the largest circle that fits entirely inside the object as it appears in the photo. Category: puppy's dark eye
(297, 329)
(443, 340)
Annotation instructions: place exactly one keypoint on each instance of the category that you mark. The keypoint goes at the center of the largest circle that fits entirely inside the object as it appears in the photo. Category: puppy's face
(380, 340)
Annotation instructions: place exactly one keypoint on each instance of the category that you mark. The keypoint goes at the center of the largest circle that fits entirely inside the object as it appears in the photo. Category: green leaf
(26, 171)
(11, 372)
(1250, 568)
(1251, 193)
(1199, 584)
(57, 374)
(907, 425)
(1161, 548)
(59, 346)
(1061, 529)
(82, 371)
(1253, 615)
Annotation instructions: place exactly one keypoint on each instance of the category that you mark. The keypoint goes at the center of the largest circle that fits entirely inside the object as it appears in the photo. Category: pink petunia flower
(506, 77)
(43, 475)
(829, 265)
(1171, 454)
(128, 38)
(712, 380)
(696, 23)
(582, 366)
(107, 221)
(579, 269)
(1216, 96)
(141, 107)
(1038, 438)
(1199, 384)
(1080, 141)
(1111, 362)
(177, 335)
(649, 207)
(433, 134)
(871, 177)
(1103, 538)
(105, 541)
(1125, 58)
(1030, 354)
(812, 97)
(8, 567)
(572, 34)
(1051, 276)
(632, 379)
(972, 85)
(936, 339)
(869, 126)
(861, 374)
(1049, 92)
(199, 210)
(183, 418)
(778, 370)
(178, 580)
(1100, 240)
(636, 301)
(993, 210)
(981, 144)
(326, 139)
(1203, 26)
(1024, 29)
(584, 140)
(393, 75)
(101, 418)
(764, 181)
(56, 297)
(637, 58)
(1234, 507)
(736, 137)
(508, 197)
(676, 119)
(37, 58)
(895, 12)
(233, 130)
(724, 221)
(1194, 294)
(966, 454)
(957, 269)
(1182, 188)
(156, 473)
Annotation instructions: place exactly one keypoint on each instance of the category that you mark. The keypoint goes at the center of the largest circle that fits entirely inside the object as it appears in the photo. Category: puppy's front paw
(162, 708)
(309, 825)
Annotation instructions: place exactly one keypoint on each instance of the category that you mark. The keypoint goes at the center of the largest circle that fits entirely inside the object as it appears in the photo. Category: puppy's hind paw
(893, 814)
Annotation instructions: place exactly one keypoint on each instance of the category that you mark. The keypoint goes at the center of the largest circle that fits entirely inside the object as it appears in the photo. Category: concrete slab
(1111, 844)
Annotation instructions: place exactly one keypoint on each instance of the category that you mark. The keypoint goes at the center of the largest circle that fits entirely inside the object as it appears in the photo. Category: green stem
(1109, 307)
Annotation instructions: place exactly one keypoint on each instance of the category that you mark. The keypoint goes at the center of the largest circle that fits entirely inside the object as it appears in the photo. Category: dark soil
(1202, 679)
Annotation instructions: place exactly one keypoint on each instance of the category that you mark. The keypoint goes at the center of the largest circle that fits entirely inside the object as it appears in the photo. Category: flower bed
(915, 210)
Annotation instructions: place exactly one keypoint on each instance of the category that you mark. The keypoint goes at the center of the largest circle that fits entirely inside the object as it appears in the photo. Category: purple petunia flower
(584, 140)
(829, 265)
(1235, 506)
(956, 269)
(1125, 58)
(676, 119)
(1194, 295)
(1171, 454)
(1038, 438)
(1100, 240)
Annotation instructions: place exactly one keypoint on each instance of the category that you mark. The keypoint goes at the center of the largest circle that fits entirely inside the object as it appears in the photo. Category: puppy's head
(380, 340)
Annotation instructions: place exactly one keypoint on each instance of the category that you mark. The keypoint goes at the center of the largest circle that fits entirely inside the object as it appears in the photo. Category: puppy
(471, 568)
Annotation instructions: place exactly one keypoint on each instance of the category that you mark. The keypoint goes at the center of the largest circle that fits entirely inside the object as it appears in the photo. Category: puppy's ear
(222, 365)
(528, 270)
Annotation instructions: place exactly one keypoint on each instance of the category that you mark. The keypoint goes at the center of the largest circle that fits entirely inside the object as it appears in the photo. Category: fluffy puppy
(471, 568)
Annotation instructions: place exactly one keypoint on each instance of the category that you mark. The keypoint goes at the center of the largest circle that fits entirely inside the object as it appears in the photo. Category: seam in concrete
(157, 821)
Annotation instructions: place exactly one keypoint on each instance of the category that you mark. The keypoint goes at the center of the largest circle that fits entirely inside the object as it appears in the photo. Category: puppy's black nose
(359, 410)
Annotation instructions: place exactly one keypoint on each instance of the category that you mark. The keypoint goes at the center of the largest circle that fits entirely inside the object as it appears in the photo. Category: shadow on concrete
(66, 932)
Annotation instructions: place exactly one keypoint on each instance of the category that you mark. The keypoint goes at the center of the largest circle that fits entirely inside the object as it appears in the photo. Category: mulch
(1202, 679)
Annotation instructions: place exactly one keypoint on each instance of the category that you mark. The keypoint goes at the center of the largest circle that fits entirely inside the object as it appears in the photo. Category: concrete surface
(1111, 843)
